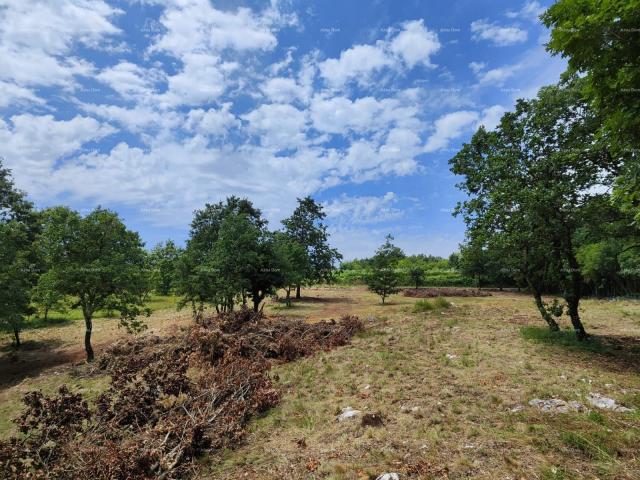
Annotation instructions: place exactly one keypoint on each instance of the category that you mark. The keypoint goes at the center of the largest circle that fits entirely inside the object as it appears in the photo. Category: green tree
(100, 264)
(417, 276)
(528, 183)
(19, 264)
(294, 262)
(601, 42)
(199, 279)
(383, 279)
(306, 227)
(46, 296)
(163, 260)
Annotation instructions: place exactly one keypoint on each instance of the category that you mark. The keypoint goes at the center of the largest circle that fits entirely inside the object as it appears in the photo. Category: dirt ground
(451, 386)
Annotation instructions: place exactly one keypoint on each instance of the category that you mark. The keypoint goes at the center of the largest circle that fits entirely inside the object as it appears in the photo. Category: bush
(441, 302)
(422, 306)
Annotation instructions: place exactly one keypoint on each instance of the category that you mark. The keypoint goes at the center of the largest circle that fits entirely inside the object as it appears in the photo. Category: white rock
(348, 413)
(556, 405)
(389, 476)
(367, 387)
(517, 408)
(606, 403)
(451, 356)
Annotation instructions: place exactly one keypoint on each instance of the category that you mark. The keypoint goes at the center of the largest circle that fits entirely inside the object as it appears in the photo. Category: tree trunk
(88, 322)
(298, 292)
(553, 325)
(16, 336)
(256, 302)
(46, 313)
(573, 303)
(288, 298)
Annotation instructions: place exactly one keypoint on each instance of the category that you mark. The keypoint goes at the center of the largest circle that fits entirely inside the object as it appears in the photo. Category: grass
(437, 303)
(454, 412)
(563, 338)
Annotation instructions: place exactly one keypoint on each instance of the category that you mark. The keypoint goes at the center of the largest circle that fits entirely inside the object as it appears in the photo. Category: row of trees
(232, 257)
(553, 191)
(57, 259)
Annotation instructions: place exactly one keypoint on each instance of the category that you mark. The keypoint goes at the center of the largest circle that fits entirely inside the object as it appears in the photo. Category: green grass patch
(441, 302)
(563, 338)
(594, 445)
(423, 306)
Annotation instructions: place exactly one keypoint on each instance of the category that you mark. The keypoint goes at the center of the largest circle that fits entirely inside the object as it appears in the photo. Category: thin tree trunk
(288, 298)
(553, 325)
(46, 313)
(581, 334)
(298, 292)
(88, 322)
(256, 302)
(16, 336)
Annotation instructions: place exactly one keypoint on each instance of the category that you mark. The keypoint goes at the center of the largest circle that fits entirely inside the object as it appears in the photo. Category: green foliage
(163, 265)
(441, 302)
(529, 183)
(47, 295)
(423, 306)
(96, 260)
(601, 42)
(19, 263)
(231, 256)
(293, 260)
(305, 227)
(383, 278)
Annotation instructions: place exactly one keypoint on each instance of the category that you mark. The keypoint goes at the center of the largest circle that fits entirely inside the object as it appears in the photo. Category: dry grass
(457, 372)
(456, 421)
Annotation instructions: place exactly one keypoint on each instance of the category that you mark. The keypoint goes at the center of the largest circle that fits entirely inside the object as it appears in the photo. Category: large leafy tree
(383, 277)
(198, 279)
(529, 184)
(601, 42)
(305, 227)
(19, 263)
(100, 264)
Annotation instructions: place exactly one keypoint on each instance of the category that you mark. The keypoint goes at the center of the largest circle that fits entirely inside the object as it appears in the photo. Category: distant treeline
(436, 271)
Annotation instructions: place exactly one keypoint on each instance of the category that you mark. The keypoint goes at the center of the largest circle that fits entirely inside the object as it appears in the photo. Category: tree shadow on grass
(37, 323)
(615, 352)
(30, 359)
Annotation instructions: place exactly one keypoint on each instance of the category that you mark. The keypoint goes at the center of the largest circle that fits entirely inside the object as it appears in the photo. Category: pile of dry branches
(169, 401)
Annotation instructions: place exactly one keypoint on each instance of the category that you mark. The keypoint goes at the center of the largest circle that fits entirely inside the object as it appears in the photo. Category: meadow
(450, 382)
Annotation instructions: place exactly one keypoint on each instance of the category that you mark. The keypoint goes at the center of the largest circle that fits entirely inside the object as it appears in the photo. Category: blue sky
(154, 107)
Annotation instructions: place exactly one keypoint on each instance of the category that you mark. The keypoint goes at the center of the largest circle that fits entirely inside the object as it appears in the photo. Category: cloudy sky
(155, 107)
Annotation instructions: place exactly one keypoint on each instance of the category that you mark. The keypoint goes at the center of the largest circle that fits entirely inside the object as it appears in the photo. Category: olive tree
(383, 278)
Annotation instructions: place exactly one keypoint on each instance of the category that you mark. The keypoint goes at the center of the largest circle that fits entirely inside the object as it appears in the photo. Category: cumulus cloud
(37, 38)
(413, 45)
(496, 34)
(363, 209)
(450, 126)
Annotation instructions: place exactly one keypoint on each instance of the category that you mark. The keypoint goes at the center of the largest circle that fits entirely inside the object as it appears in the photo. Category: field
(450, 381)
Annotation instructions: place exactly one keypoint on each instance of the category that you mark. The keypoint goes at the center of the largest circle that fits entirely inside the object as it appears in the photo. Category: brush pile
(444, 292)
(169, 401)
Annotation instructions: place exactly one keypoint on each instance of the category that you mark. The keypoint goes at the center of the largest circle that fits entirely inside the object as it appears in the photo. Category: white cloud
(37, 38)
(365, 209)
(450, 126)
(496, 34)
(32, 144)
(491, 116)
(284, 90)
(278, 125)
(11, 93)
(415, 44)
(130, 80)
(202, 80)
(213, 122)
(356, 62)
(530, 11)
(477, 67)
